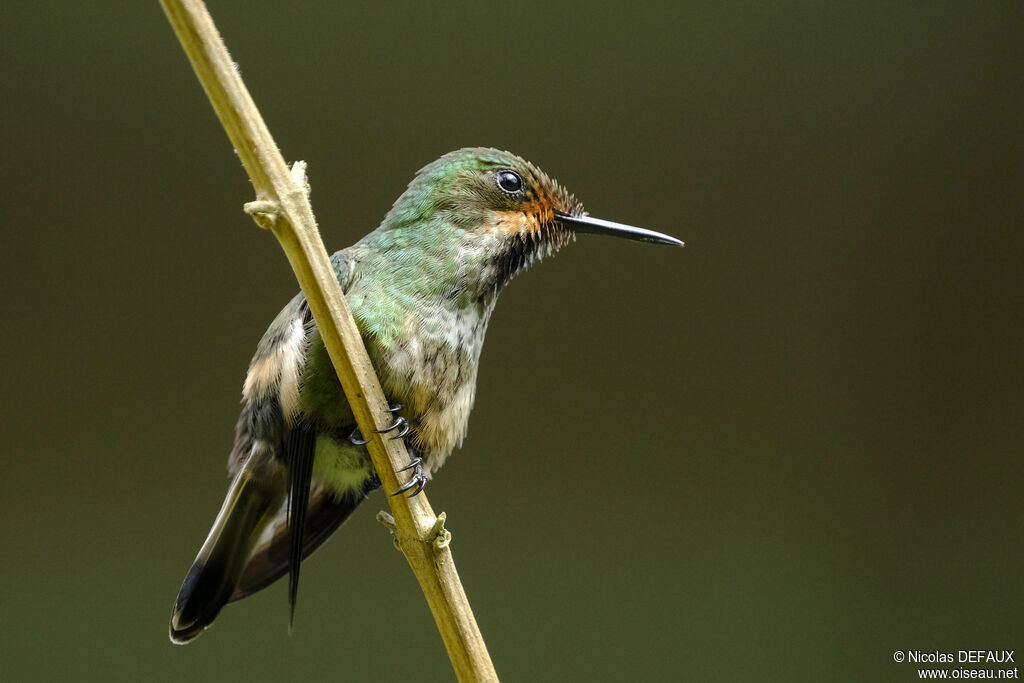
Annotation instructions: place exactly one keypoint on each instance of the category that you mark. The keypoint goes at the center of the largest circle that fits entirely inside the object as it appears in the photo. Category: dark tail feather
(300, 471)
(214, 574)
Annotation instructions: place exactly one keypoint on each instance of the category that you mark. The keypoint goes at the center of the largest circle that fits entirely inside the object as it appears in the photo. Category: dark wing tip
(197, 605)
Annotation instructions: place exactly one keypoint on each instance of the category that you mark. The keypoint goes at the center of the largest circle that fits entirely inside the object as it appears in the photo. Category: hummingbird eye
(509, 182)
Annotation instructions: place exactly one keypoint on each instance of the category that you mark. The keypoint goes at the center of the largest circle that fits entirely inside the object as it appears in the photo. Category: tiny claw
(419, 489)
(395, 408)
(400, 422)
(403, 431)
(417, 480)
(415, 463)
(408, 485)
(356, 438)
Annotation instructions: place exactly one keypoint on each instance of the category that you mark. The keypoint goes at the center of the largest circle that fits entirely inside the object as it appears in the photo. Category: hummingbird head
(506, 207)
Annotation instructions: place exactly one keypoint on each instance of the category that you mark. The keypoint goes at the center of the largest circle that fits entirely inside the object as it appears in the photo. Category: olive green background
(781, 453)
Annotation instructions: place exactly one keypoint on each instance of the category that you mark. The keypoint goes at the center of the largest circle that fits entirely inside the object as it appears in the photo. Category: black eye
(510, 182)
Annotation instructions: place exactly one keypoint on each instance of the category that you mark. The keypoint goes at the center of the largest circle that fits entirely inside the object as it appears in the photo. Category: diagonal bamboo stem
(283, 207)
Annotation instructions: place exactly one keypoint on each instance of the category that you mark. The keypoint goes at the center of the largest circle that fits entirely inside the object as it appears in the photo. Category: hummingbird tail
(216, 570)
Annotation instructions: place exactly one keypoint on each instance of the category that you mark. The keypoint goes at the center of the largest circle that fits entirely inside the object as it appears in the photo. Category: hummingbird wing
(311, 512)
(271, 518)
(271, 558)
(214, 573)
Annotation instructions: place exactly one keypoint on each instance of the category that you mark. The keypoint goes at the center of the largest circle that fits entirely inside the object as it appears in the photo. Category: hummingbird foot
(356, 437)
(400, 423)
(417, 481)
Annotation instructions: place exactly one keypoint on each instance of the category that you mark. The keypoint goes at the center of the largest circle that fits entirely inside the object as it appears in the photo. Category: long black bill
(596, 226)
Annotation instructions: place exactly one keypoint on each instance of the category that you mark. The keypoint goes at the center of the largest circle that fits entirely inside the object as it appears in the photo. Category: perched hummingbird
(421, 287)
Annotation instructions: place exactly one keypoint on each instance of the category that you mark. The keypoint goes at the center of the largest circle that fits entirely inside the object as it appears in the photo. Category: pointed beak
(596, 226)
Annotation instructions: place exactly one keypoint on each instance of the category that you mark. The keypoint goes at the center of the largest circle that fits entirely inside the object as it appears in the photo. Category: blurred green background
(780, 454)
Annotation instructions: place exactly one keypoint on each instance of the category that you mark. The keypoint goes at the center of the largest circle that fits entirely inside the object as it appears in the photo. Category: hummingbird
(421, 288)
